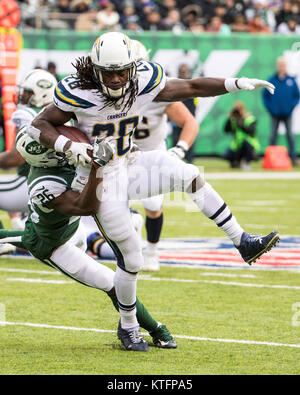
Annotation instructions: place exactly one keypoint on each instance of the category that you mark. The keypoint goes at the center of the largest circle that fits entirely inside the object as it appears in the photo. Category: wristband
(183, 144)
(60, 142)
(231, 85)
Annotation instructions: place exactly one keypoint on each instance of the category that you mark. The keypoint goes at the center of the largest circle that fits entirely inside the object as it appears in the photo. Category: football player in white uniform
(151, 134)
(106, 97)
(36, 91)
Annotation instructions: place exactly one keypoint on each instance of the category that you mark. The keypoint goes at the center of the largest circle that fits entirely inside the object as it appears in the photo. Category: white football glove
(77, 154)
(179, 150)
(249, 84)
(81, 178)
(104, 150)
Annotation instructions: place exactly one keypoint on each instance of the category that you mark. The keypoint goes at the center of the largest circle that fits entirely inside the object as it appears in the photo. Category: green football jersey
(45, 228)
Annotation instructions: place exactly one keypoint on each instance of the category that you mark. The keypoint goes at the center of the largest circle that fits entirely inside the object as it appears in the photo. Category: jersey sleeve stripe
(155, 80)
(46, 178)
(66, 97)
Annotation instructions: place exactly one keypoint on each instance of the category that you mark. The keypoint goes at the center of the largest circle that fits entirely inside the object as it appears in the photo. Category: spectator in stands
(282, 104)
(239, 24)
(263, 9)
(167, 6)
(192, 15)
(232, 9)
(257, 25)
(284, 13)
(173, 21)
(107, 18)
(244, 145)
(197, 28)
(184, 72)
(216, 25)
(129, 15)
(86, 18)
(153, 21)
(289, 27)
(63, 6)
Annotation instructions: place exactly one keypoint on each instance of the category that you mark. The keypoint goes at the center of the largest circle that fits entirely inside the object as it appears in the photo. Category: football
(73, 134)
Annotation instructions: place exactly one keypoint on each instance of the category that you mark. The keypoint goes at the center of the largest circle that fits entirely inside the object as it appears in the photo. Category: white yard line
(179, 280)
(12, 270)
(70, 328)
(272, 175)
(39, 281)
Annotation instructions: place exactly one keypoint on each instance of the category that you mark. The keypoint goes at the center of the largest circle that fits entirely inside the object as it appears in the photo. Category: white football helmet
(112, 52)
(42, 84)
(36, 154)
(140, 51)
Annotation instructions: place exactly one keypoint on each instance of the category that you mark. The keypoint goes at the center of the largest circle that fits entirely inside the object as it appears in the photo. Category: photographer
(244, 146)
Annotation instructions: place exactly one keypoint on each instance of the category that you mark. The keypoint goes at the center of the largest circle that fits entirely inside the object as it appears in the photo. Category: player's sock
(143, 316)
(13, 237)
(213, 206)
(153, 228)
(125, 287)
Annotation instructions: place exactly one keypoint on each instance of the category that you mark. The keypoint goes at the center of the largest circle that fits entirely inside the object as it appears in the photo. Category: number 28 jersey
(94, 119)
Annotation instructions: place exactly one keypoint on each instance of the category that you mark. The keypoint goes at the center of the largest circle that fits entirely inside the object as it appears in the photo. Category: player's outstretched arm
(180, 89)
(80, 204)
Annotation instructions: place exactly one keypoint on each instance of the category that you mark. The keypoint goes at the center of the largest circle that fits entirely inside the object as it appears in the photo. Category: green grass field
(222, 324)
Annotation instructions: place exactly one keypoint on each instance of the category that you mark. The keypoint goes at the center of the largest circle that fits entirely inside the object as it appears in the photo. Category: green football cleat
(162, 338)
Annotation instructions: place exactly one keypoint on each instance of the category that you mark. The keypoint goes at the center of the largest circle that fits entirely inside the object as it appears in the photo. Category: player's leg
(154, 222)
(172, 174)
(14, 194)
(115, 225)
(13, 198)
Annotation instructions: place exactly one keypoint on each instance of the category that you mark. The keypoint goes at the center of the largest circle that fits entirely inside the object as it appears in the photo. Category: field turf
(237, 321)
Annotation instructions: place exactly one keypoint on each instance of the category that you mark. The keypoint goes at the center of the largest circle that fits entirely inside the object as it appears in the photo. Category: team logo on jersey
(34, 148)
(116, 116)
(44, 84)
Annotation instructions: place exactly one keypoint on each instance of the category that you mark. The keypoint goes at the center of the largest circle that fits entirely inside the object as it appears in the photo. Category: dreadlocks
(85, 75)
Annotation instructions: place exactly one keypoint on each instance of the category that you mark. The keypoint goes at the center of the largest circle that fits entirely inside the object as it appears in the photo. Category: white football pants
(14, 194)
(72, 260)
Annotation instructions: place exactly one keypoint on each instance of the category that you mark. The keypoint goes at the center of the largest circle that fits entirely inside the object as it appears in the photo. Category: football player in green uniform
(53, 233)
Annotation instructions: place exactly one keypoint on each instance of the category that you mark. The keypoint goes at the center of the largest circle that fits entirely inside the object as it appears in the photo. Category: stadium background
(210, 55)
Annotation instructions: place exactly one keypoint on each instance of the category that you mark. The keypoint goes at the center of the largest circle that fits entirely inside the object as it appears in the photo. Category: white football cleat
(7, 249)
(151, 262)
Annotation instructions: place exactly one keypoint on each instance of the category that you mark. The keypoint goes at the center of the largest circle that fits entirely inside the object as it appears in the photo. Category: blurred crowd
(213, 16)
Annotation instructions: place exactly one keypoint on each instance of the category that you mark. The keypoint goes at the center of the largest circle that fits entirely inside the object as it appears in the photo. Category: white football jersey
(151, 132)
(23, 116)
(94, 119)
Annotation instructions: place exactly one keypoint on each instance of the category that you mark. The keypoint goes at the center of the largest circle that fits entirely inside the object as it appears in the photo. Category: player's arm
(180, 89)
(45, 123)
(80, 204)
(43, 130)
(179, 114)
(10, 159)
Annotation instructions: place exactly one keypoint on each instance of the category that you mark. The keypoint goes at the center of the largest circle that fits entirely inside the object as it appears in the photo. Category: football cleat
(132, 339)
(151, 262)
(252, 247)
(162, 338)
